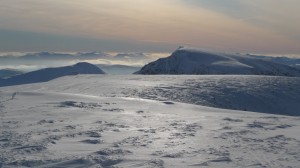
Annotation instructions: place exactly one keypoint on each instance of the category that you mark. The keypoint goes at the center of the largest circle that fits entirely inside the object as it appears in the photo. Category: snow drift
(47, 74)
(193, 61)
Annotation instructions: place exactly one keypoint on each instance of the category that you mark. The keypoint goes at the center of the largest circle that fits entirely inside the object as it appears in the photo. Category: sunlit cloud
(280, 16)
(25, 68)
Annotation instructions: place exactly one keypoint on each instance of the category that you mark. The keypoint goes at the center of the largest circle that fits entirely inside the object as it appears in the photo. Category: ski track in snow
(41, 128)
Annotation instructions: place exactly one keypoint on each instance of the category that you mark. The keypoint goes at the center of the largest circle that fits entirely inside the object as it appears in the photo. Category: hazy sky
(255, 26)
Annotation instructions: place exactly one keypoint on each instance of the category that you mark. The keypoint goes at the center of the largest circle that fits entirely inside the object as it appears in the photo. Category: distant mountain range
(183, 61)
(194, 61)
(119, 63)
(47, 74)
(131, 56)
(59, 56)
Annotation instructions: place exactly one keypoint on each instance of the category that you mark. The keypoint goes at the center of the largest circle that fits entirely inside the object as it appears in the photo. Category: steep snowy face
(47, 74)
(193, 61)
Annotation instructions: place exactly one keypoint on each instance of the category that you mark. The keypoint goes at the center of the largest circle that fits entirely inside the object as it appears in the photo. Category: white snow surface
(267, 94)
(103, 121)
(187, 60)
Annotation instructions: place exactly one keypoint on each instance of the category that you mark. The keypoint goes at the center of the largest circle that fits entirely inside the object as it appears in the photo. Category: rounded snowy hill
(47, 74)
(193, 61)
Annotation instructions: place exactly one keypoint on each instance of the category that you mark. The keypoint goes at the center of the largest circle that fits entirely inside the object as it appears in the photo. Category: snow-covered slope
(193, 61)
(294, 62)
(42, 129)
(6, 73)
(267, 94)
(47, 74)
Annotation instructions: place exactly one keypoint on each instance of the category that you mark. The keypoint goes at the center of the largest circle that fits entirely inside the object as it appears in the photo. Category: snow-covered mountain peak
(187, 60)
(201, 56)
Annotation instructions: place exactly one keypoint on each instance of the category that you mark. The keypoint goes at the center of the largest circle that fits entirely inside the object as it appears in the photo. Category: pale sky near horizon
(247, 26)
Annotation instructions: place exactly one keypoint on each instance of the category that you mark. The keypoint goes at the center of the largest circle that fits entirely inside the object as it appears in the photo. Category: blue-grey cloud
(266, 26)
(12, 40)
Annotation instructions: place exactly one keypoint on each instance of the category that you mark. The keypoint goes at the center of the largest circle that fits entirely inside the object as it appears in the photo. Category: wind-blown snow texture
(267, 94)
(193, 61)
(86, 121)
(47, 74)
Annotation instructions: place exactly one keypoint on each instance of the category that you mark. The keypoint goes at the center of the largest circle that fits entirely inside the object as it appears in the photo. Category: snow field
(47, 129)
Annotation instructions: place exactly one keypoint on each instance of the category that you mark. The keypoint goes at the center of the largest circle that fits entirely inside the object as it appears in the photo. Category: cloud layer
(233, 26)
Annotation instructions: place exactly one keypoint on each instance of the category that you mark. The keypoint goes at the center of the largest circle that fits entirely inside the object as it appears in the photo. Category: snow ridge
(194, 61)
